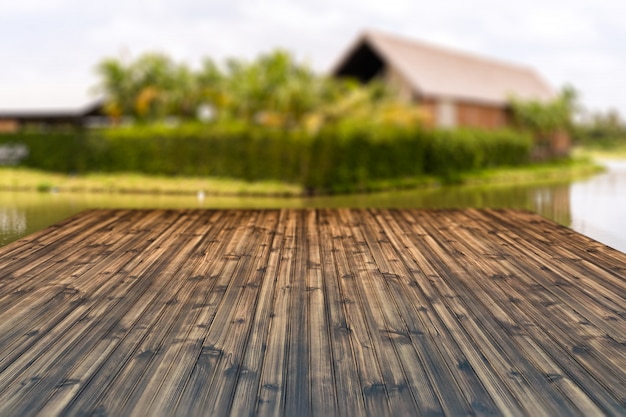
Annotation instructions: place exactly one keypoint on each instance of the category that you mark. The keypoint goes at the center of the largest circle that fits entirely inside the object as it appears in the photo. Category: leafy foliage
(149, 88)
(273, 119)
(272, 90)
(348, 155)
(550, 123)
(544, 118)
(603, 130)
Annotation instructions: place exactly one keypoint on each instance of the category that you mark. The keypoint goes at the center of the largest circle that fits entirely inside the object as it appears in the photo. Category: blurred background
(50, 47)
(290, 104)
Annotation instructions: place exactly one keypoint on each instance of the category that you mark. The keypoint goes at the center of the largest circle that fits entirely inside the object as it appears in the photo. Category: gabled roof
(433, 71)
(55, 115)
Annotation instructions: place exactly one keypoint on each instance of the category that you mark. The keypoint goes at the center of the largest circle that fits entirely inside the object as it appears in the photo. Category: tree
(544, 118)
(148, 88)
(551, 122)
(273, 87)
(116, 85)
(272, 90)
(604, 129)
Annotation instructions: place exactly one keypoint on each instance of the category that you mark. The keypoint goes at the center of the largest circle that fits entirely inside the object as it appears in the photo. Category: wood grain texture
(311, 313)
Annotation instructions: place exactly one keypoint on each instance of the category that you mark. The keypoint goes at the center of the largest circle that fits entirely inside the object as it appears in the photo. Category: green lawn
(597, 152)
(578, 167)
(31, 180)
(12, 178)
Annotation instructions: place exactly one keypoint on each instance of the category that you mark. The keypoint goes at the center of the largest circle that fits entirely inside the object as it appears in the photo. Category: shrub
(52, 151)
(344, 156)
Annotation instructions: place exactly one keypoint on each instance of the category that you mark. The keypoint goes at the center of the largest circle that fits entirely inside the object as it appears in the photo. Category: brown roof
(440, 72)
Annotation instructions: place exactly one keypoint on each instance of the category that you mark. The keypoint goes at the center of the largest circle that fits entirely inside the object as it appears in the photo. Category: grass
(599, 152)
(560, 171)
(34, 180)
(12, 178)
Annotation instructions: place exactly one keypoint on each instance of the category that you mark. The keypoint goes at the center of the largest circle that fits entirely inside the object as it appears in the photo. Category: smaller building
(88, 116)
(455, 88)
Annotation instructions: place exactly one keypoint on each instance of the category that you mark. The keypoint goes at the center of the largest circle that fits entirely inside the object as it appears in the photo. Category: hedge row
(337, 158)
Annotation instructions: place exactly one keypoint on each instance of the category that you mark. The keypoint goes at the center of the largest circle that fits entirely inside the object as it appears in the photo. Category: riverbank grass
(617, 151)
(23, 179)
(559, 171)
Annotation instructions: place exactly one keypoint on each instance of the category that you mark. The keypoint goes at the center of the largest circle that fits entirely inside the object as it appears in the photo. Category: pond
(595, 206)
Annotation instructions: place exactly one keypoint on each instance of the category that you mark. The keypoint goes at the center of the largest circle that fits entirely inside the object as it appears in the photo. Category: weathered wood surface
(311, 312)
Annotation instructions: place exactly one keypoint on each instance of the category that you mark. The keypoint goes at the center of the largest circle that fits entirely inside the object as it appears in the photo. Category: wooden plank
(561, 287)
(311, 312)
(217, 356)
(375, 376)
(28, 262)
(525, 318)
(233, 337)
(160, 340)
(599, 285)
(56, 233)
(322, 382)
(159, 374)
(297, 395)
(246, 395)
(347, 381)
(406, 380)
(30, 313)
(57, 359)
(447, 327)
(539, 371)
(138, 318)
(480, 313)
(576, 345)
(457, 388)
(272, 386)
(165, 382)
(52, 318)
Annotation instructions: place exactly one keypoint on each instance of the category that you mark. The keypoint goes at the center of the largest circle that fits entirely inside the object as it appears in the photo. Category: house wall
(465, 114)
(8, 126)
(482, 116)
(561, 144)
(490, 117)
(450, 113)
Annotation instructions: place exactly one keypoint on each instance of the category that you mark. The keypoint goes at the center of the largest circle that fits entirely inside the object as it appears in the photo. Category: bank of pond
(344, 157)
(593, 205)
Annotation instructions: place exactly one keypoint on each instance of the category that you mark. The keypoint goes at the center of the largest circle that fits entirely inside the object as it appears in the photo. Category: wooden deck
(312, 312)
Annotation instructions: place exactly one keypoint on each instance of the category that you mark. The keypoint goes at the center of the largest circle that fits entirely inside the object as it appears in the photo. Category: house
(456, 89)
(87, 116)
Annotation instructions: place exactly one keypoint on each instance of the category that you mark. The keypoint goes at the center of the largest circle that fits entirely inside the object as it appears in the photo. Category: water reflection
(12, 223)
(550, 201)
(594, 207)
(598, 206)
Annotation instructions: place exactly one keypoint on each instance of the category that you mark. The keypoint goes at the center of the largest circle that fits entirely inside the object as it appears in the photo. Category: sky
(49, 48)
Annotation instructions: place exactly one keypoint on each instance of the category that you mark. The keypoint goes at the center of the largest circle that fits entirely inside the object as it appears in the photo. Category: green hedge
(51, 151)
(231, 150)
(452, 152)
(341, 157)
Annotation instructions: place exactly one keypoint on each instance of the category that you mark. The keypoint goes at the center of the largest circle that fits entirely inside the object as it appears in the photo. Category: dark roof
(54, 116)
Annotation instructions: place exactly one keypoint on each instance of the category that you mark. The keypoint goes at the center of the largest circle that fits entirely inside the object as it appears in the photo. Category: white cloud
(31, 6)
(560, 26)
(45, 95)
(388, 8)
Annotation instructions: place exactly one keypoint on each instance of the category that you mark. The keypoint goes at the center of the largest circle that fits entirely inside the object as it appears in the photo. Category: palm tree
(116, 85)
(273, 90)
